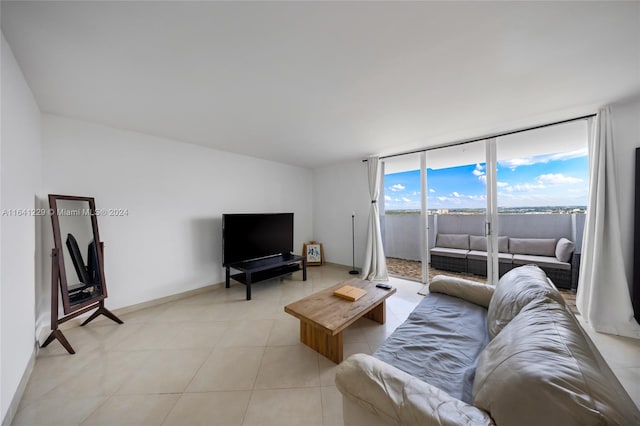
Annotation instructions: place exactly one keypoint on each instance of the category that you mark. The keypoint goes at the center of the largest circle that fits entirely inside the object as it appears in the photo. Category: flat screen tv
(247, 236)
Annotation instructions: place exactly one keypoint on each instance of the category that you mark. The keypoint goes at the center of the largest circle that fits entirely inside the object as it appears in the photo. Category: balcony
(401, 236)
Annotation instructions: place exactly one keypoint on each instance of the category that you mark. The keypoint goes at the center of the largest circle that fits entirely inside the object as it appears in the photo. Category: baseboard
(19, 393)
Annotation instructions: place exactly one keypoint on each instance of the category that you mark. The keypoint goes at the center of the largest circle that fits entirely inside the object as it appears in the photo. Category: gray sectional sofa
(468, 253)
(474, 354)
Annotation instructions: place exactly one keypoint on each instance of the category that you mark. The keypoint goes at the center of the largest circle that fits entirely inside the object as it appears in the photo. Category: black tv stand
(253, 271)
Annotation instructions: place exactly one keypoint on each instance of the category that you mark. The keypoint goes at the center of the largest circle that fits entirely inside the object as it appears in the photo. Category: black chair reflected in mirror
(87, 274)
(92, 266)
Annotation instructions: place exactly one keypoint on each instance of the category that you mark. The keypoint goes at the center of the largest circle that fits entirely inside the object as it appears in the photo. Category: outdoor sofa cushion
(480, 243)
(449, 252)
(542, 261)
(533, 246)
(482, 255)
(454, 241)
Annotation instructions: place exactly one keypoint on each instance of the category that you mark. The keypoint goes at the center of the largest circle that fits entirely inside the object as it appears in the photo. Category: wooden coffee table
(324, 316)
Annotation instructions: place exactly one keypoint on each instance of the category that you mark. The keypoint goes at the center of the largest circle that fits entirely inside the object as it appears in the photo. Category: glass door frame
(424, 218)
(491, 215)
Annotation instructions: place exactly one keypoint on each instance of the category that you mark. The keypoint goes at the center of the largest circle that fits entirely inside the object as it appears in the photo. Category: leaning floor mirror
(77, 266)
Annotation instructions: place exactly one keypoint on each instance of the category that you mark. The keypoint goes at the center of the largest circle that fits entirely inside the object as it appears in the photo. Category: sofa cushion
(503, 244)
(472, 291)
(564, 249)
(477, 243)
(542, 261)
(455, 241)
(534, 246)
(542, 369)
(480, 243)
(515, 290)
(482, 255)
(439, 343)
(449, 252)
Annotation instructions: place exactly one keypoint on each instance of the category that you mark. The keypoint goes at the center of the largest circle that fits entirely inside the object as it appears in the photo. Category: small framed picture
(314, 253)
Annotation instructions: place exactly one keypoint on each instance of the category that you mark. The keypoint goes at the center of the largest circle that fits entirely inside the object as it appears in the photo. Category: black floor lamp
(353, 271)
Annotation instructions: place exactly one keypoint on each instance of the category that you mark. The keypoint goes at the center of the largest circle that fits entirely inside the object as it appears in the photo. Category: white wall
(337, 191)
(175, 193)
(626, 136)
(20, 180)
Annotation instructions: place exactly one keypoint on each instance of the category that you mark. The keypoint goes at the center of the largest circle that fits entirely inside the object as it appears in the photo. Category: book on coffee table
(350, 293)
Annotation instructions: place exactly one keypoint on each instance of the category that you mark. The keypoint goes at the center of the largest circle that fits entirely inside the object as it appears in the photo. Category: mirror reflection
(80, 252)
(77, 272)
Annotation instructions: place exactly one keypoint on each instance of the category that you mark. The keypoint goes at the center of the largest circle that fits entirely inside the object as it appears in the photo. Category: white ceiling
(316, 83)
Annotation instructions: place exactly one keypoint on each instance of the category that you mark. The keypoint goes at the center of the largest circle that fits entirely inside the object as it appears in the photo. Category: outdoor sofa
(468, 253)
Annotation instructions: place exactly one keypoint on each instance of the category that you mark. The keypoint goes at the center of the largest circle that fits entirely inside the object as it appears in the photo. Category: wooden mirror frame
(59, 275)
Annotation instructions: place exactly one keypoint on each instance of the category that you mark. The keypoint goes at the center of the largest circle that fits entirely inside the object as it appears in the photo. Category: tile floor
(217, 359)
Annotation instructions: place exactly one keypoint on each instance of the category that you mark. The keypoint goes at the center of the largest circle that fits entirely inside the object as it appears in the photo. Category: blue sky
(543, 180)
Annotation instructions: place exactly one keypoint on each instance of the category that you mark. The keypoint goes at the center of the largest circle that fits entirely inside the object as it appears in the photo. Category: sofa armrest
(471, 291)
(399, 398)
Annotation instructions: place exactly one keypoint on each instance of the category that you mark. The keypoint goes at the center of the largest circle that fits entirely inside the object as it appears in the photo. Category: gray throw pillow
(564, 250)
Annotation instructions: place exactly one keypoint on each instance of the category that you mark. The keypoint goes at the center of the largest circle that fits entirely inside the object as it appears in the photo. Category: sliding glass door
(457, 199)
(542, 185)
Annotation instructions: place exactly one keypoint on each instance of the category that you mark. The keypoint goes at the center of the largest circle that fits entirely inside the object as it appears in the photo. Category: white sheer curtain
(603, 292)
(375, 264)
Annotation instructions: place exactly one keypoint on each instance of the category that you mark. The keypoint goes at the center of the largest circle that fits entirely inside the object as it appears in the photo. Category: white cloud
(528, 161)
(542, 182)
(524, 187)
(432, 190)
(455, 194)
(397, 187)
(557, 179)
(387, 198)
(478, 172)
(406, 200)
(499, 184)
(514, 163)
(583, 152)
